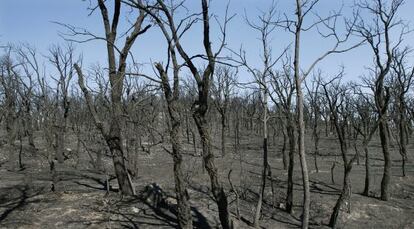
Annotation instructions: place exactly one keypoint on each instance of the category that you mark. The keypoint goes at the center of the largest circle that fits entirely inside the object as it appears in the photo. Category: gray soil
(80, 199)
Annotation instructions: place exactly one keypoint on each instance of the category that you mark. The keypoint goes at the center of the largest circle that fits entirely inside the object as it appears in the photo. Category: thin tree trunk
(367, 172)
(187, 128)
(285, 157)
(316, 153)
(383, 127)
(265, 166)
(302, 157)
(357, 152)
(60, 136)
(332, 172)
(21, 166)
(301, 124)
(223, 135)
(236, 193)
(403, 137)
(292, 143)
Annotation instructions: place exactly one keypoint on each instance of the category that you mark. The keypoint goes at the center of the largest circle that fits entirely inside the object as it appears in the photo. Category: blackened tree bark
(296, 27)
(315, 107)
(378, 37)
(116, 69)
(284, 88)
(27, 92)
(200, 106)
(339, 103)
(63, 61)
(172, 96)
(366, 126)
(402, 82)
(262, 77)
(9, 83)
(222, 88)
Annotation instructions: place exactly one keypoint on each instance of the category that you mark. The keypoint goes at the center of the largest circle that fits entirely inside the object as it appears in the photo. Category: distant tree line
(187, 97)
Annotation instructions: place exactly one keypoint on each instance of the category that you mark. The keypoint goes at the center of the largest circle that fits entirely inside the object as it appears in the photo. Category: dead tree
(378, 36)
(200, 108)
(62, 60)
(9, 83)
(26, 91)
(262, 77)
(44, 101)
(403, 78)
(116, 69)
(203, 78)
(366, 124)
(18, 92)
(172, 96)
(339, 101)
(297, 26)
(315, 108)
(284, 87)
(222, 88)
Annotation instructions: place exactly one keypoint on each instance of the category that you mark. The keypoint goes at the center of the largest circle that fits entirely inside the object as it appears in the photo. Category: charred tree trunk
(300, 117)
(115, 137)
(343, 197)
(265, 156)
(316, 141)
(114, 141)
(367, 172)
(183, 199)
(223, 134)
(403, 133)
(383, 132)
(339, 107)
(172, 95)
(292, 144)
(384, 49)
(284, 146)
(116, 69)
(209, 164)
(200, 106)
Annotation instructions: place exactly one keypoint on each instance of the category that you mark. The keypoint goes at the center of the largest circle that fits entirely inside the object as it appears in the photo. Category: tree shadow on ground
(119, 213)
(323, 188)
(15, 198)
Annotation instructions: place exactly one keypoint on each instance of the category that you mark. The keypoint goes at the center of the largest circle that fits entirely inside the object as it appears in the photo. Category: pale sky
(30, 21)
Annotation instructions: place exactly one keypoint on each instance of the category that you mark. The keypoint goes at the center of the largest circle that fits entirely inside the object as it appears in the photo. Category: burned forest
(206, 114)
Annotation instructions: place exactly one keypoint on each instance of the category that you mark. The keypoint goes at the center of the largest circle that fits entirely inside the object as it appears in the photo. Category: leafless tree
(62, 60)
(9, 83)
(377, 34)
(224, 81)
(366, 124)
(262, 77)
(297, 26)
(403, 78)
(315, 108)
(284, 88)
(172, 96)
(113, 134)
(203, 79)
(339, 101)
